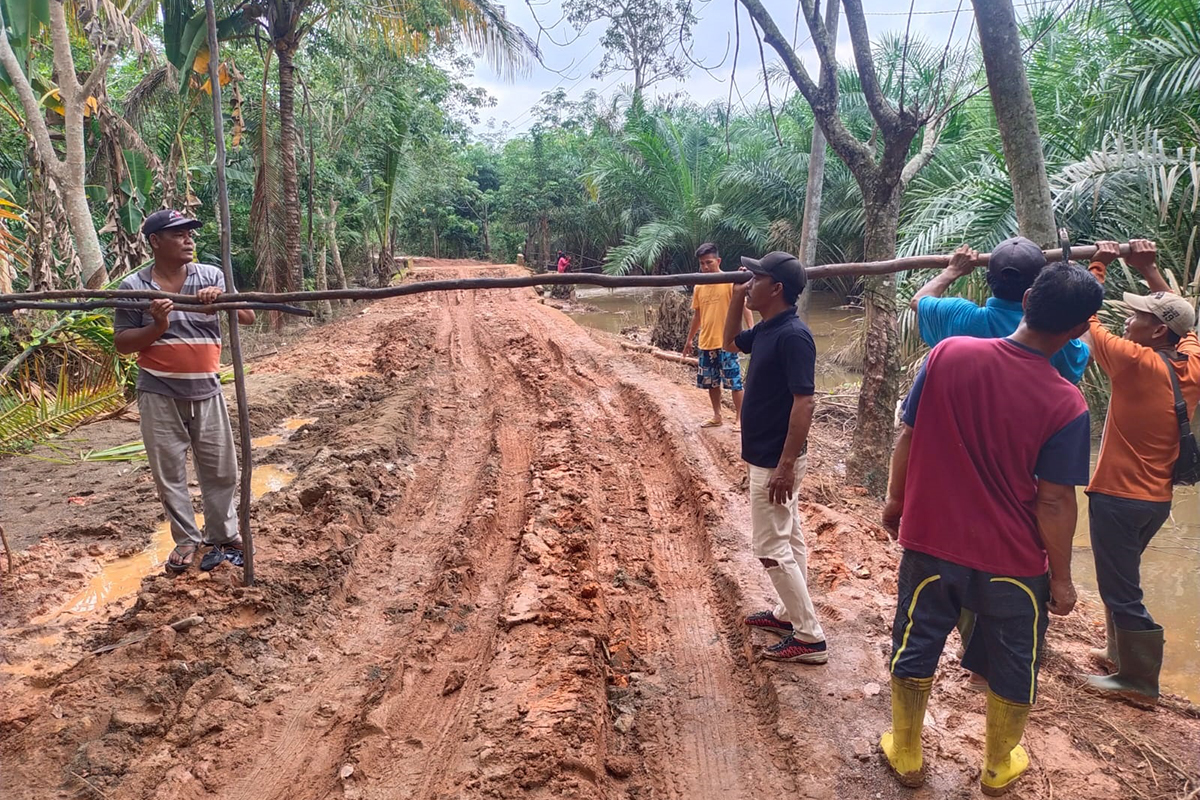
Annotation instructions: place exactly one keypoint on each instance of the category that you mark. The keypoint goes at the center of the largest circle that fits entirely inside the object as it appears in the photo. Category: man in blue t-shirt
(1014, 265)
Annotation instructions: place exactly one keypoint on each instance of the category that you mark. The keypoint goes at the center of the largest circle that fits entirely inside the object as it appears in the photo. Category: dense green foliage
(385, 135)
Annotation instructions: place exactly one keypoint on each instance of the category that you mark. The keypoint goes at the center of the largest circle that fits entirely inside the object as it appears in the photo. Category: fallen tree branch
(526, 281)
(8, 306)
(665, 355)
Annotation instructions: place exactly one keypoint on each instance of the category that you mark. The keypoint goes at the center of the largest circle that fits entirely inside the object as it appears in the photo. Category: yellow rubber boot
(1003, 758)
(902, 744)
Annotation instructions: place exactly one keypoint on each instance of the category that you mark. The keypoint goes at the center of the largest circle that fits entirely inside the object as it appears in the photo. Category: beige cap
(1175, 312)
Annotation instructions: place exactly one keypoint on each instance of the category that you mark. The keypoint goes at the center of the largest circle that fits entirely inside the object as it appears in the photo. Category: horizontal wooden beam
(7, 306)
(521, 282)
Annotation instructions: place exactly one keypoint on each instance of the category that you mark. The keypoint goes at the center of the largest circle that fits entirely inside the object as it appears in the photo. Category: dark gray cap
(1017, 255)
(168, 218)
(782, 268)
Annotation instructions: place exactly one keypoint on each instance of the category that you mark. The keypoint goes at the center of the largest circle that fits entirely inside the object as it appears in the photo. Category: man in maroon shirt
(982, 497)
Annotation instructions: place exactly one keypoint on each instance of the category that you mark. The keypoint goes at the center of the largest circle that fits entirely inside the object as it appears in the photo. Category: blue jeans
(1006, 645)
(1121, 529)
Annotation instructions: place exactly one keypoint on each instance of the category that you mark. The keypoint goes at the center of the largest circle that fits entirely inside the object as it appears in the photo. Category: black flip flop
(185, 563)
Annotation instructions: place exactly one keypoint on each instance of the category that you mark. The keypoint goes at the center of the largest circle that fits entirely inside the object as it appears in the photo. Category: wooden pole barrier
(235, 342)
(139, 305)
(548, 279)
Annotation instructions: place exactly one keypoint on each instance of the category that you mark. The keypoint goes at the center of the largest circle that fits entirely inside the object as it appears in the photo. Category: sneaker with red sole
(767, 621)
(794, 650)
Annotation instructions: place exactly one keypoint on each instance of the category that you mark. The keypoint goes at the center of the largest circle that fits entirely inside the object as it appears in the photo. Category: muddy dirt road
(507, 564)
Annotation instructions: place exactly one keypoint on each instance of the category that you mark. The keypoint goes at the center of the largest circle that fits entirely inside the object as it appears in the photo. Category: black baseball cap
(168, 218)
(782, 268)
(1019, 257)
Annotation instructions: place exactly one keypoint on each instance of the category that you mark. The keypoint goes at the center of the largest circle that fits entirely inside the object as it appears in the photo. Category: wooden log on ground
(665, 355)
(546, 279)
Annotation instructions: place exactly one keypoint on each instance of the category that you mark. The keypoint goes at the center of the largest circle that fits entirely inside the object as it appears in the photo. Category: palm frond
(89, 12)
(89, 380)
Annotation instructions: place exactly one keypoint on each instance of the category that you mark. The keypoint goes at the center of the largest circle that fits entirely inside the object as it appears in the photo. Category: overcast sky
(570, 67)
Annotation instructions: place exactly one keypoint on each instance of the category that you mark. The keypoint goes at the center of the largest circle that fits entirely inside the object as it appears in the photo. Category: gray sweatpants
(169, 428)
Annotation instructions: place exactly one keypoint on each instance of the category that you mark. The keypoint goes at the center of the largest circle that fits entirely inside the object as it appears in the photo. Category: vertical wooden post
(235, 342)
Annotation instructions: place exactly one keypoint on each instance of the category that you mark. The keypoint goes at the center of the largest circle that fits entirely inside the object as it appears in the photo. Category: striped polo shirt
(184, 362)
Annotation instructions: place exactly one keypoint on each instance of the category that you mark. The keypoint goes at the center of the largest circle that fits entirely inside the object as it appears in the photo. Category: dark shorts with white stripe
(1010, 631)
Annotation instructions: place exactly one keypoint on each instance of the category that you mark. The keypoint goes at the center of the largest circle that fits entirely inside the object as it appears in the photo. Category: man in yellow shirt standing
(1130, 491)
(718, 367)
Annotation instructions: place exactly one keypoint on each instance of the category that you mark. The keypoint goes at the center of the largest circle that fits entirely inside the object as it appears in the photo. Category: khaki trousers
(777, 536)
(169, 428)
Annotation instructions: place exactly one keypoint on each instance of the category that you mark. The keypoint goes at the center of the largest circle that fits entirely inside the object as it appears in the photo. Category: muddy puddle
(833, 326)
(121, 577)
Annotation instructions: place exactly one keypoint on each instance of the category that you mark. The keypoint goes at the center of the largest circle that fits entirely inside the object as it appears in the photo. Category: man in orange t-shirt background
(717, 368)
(1130, 492)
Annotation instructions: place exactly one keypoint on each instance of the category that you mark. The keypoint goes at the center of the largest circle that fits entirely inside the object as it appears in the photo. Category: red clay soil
(510, 565)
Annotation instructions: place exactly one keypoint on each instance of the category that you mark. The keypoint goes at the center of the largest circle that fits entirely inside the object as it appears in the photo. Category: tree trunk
(293, 276)
(545, 230)
(171, 176)
(437, 244)
(324, 308)
(312, 173)
(815, 188)
(40, 238)
(873, 435)
(331, 237)
(487, 238)
(1016, 118)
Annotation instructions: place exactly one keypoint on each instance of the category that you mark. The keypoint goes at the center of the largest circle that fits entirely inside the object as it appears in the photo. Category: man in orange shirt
(1130, 491)
(710, 302)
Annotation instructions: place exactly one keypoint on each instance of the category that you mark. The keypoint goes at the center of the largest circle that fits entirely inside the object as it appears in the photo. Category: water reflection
(1169, 569)
(834, 327)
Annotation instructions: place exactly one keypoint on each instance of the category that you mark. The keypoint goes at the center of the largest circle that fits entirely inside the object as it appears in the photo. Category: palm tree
(1122, 149)
(665, 176)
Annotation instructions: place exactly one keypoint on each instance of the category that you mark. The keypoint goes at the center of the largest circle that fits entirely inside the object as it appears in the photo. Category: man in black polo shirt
(776, 414)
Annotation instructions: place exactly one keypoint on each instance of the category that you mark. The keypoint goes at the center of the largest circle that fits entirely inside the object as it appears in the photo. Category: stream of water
(1170, 566)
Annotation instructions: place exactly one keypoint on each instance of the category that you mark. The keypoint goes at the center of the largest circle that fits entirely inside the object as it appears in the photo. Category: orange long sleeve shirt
(1141, 434)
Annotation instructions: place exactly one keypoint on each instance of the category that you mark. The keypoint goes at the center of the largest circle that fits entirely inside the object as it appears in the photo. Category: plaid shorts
(718, 368)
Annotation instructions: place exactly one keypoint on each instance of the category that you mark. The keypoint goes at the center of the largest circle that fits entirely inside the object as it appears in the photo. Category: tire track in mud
(413, 733)
(703, 727)
(707, 735)
(393, 642)
(536, 713)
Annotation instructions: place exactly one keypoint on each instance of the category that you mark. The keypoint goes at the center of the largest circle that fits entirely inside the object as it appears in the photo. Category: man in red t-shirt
(982, 497)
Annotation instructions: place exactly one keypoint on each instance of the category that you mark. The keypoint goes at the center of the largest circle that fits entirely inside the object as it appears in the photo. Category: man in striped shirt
(179, 393)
